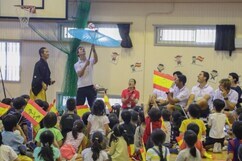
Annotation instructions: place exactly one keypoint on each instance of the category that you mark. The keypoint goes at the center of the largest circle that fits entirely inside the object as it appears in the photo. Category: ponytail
(96, 148)
(74, 132)
(161, 153)
(46, 153)
(193, 151)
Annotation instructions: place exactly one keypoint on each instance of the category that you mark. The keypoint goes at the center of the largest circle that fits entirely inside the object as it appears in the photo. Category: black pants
(84, 93)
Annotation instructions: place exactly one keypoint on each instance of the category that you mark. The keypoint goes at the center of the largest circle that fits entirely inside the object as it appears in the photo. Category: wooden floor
(216, 157)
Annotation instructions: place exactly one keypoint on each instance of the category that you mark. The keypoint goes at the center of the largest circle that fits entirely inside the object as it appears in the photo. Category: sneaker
(225, 148)
(217, 148)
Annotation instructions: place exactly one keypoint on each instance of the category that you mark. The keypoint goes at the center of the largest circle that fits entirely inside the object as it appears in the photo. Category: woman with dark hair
(190, 153)
(158, 151)
(95, 152)
(47, 152)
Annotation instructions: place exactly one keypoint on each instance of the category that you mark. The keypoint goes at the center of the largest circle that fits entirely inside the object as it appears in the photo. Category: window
(110, 30)
(10, 61)
(180, 35)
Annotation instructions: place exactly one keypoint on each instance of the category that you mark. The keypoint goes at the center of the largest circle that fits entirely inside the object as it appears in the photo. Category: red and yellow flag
(107, 103)
(162, 81)
(4, 108)
(179, 140)
(82, 109)
(33, 112)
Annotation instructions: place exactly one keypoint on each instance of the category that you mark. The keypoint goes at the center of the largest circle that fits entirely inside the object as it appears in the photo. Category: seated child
(47, 151)
(193, 112)
(158, 151)
(234, 144)
(190, 153)
(95, 152)
(216, 122)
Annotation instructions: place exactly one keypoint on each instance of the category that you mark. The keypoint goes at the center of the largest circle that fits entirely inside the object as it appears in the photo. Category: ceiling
(168, 1)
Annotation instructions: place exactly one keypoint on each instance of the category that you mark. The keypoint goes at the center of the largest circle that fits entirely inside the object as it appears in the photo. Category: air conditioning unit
(238, 43)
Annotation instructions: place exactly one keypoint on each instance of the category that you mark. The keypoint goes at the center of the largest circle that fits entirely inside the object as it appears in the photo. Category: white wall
(143, 17)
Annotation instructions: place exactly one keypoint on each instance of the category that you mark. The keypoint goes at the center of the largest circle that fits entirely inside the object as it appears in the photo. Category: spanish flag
(52, 108)
(162, 81)
(4, 108)
(82, 109)
(33, 112)
(106, 101)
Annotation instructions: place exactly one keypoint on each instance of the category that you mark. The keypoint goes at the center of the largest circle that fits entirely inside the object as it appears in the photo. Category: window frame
(62, 27)
(19, 72)
(158, 28)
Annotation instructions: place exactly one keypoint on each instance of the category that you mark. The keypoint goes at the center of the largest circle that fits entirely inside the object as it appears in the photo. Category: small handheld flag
(82, 109)
(4, 108)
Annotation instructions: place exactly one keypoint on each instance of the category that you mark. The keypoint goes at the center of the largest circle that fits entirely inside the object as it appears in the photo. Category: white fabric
(217, 122)
(7, 153)
(86, 79)
(87, 155)
(232, 96)
(185, 155)
(167, 125)
(97, 123)
(182, 95)
(199, 93)
(160, 94)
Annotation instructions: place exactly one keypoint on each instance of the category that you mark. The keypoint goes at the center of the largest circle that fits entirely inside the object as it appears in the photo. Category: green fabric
(70, 79)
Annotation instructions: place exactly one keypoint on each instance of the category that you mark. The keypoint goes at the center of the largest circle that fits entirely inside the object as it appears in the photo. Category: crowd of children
(150, 133)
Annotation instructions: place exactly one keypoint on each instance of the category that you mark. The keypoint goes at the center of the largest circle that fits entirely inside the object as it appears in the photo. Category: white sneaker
(217, 148)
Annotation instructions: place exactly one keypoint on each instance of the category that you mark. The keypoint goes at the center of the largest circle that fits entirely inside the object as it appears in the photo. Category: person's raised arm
(94, 54)
(82, 71)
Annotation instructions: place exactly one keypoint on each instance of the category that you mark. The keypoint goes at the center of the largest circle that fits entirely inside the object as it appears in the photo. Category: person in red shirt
(130, 96)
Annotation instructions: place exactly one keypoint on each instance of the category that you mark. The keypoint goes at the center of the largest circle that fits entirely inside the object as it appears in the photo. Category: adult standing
(130, 96)
(84, 71)
(41, 76)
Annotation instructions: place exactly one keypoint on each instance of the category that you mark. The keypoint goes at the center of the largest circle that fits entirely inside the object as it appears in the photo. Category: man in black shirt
(41, 77)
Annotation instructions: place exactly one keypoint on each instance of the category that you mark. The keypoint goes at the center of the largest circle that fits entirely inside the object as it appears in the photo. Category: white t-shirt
(160, 94)
(217, 122)
(185, 155)
(97, 123)
(87, 155)
(86, 79)
(232, 96)
(181, 94)
(7, 153)
(199, 93)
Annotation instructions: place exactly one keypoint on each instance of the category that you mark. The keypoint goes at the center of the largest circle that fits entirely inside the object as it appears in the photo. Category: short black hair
(234, 76)
(45, 105)
(50, 120)
(182, 78)
(194, 110)
(218, 104)
(155, 114)
(190, 138)
(113, 120)
(126, 116)
(71, 104)
(194, 127)
(25, 96)
(98, 108)
(134, 116)
(7, 101)
(19, 102)
(206, 74)
(41, 50)
(237, 129)
(166, 114)
(177, 73)
(9, 122)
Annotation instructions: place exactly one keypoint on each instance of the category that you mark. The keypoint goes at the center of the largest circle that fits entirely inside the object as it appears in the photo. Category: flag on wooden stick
(33, 112)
